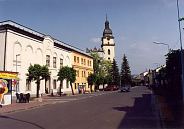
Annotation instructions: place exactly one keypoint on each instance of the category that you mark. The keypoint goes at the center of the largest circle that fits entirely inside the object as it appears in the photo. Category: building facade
(22, 47)
(83, 65)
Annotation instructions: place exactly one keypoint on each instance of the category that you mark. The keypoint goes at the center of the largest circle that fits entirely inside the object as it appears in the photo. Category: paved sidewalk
(168, 117)
(45, 100)
(21, 106)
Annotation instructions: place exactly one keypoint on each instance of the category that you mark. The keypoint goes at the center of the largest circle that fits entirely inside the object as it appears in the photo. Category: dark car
(125, 88)
(111, 88)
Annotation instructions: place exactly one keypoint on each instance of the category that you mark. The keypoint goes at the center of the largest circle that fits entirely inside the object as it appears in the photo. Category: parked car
(125, 88)
(111, 88)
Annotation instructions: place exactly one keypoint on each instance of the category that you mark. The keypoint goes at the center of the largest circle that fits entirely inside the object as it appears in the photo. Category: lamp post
(179, 28)
(16, 70)
(163, 44)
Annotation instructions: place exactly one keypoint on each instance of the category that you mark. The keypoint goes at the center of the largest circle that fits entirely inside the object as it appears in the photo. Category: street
(111, 110)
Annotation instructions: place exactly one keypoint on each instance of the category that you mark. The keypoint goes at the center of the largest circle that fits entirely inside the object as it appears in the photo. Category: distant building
(107, 50)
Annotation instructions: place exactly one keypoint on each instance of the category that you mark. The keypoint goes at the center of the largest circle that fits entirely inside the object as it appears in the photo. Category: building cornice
(108, 44)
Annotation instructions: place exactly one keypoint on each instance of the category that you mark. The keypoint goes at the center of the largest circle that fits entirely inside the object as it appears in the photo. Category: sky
(136, 24)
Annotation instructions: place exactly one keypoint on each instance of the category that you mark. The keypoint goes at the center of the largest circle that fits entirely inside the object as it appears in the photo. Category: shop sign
(8, 75)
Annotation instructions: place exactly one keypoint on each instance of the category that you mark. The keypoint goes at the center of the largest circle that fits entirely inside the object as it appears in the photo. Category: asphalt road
(112, 110)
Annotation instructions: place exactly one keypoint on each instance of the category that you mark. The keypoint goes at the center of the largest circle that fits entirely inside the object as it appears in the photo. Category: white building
(22, 46)
(108, 44)
(107, 50)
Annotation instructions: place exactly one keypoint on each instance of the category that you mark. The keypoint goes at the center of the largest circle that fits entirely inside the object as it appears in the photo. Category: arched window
(109, 52)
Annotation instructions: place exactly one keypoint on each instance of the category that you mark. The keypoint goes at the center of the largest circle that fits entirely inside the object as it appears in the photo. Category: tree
(114, 72)
(67, 73)
(125, 72)
(101, 70)
(92, 78)
(106, 80)
(37, 73)
(96, 61)
(173, 74)
(72, 78)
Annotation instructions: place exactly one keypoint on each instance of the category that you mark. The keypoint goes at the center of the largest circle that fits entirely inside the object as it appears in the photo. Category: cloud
(142, 55)
(95, 40)
(122, 38)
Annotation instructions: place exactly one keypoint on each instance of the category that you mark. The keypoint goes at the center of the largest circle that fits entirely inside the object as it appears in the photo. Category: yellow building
(83, 64)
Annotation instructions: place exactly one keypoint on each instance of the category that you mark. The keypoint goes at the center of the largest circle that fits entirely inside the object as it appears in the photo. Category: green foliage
(37, 73)
(67, 73)
(114, 72)
(102, 69)
(96, 61)
(92, 78)
(107, 79)
(125, 74)
(173, 73)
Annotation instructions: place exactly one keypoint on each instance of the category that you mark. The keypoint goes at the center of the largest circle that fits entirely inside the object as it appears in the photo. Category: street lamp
(16, 71)
(163, 44)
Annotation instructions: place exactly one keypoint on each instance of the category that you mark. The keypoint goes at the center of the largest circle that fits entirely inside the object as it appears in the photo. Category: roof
(40, 36)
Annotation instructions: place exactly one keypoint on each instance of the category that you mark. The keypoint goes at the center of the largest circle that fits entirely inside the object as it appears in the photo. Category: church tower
(108, 44)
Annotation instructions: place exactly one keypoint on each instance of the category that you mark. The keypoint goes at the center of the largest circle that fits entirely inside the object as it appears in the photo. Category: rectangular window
(74, 58)
(54, 62)
(48, 60)
(84, 74)
(28, 85)
(77, 59)
(84, 61)
(77, 73)
(81, 60)
(61, 62)
(54, 84)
